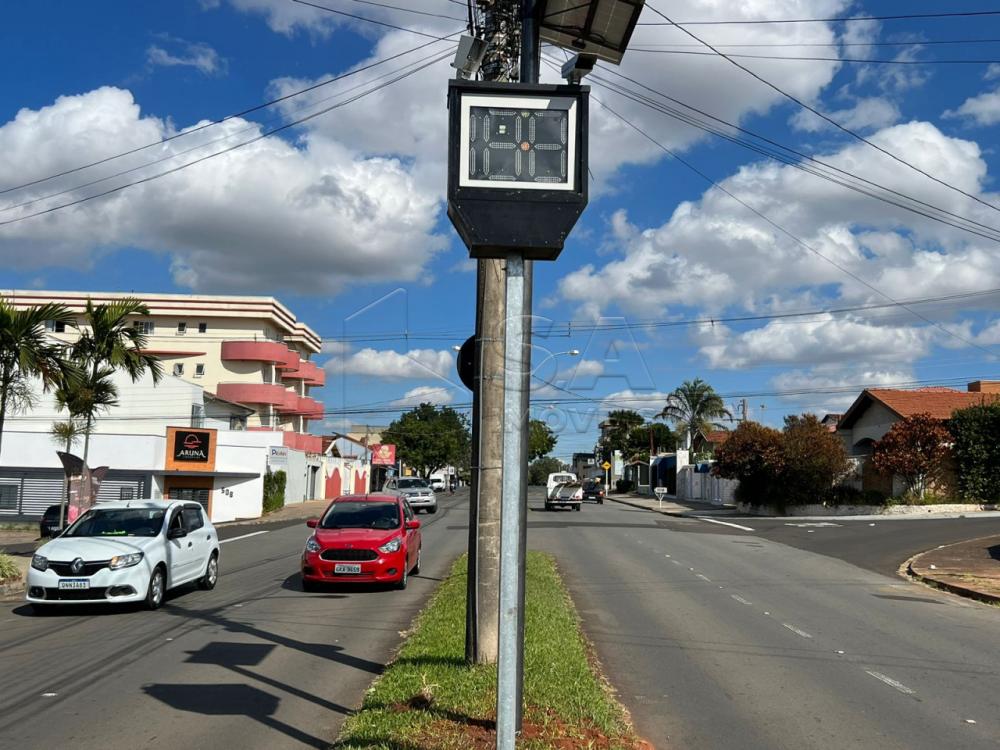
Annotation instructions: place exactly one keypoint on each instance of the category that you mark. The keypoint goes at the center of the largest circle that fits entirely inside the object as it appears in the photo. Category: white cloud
(827, 339)
(801, 386)
(335, 348)
(416, 363)
(196, 55)
(309, 218)
(992, 72)
(867, 114)
(983, 109)
(426, 394)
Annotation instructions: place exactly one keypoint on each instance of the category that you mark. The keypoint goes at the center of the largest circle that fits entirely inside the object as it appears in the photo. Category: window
(126, 493)
(192, 518)
(202, 327)
(197, 415)
(407, 511)
(145, 326)
(238, 424)
(55, 326)
(182, 328)
(176, 522)
(178, 369)
(199, 371)
(8, 497)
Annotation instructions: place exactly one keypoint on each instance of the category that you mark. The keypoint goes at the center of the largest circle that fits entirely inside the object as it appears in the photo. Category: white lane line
(704, 578)
(676, 562)
(795, 630)
(245, 536)
(741, 600)
(722, 523)
(890, 682)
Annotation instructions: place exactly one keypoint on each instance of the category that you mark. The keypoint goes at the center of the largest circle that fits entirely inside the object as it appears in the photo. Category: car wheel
(432, 509)
(401, 583)
(309, 586)
(577, 507)
(211, 577)
(416, 568)
(156, 590)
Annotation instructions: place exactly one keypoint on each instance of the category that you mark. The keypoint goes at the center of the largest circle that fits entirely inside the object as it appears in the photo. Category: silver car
(417, 491)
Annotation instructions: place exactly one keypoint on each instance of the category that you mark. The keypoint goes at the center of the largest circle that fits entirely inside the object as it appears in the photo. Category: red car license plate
(345, 568)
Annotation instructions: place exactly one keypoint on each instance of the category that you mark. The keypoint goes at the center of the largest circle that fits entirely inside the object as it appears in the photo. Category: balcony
(307, 371)
(291, 363)
(258, 351)
(308, 408)
(258, 393)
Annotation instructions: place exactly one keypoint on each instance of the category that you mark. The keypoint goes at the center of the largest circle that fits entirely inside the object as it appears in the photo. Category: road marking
(245, 536)
(741, 600)
(49, 695)
(890, 682)
(722, 523)
(676, 562)
(795, 630)
(970, 721)
(820, 524)
(702, 577)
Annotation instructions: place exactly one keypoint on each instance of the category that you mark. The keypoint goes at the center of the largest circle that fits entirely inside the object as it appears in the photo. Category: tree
(541, 439)
(815, 459)
(638, 442)
(694, 407)
(429, 437)
(913, 449)
(620, 422)
(25, 354)
(754, 455)
(539, 470)
(110, 341)
(977, 452)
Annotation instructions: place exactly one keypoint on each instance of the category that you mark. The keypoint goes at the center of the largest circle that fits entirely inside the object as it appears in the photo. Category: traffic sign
(606, 465)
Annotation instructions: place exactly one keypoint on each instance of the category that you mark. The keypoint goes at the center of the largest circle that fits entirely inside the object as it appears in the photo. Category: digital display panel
(519, 145)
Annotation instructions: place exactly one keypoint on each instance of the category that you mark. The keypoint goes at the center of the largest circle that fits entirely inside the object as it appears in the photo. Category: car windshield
(361, 515)
(412, 484)
(563, 478)
(118, 522)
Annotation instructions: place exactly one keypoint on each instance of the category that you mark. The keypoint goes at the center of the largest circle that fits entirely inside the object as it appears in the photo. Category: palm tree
(693, 408)
(108, 342)
(25, 353)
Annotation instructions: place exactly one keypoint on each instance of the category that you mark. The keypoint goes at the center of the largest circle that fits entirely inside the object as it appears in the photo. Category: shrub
(274, 491)
(624, 485)
(754, 455)
(8, 569)
(814, 459)
(914, 449)
(977, 452)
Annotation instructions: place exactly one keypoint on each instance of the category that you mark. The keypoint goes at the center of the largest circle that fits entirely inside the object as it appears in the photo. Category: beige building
(247, 350)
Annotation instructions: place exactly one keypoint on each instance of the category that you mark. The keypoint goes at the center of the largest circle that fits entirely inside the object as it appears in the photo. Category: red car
(363, 539)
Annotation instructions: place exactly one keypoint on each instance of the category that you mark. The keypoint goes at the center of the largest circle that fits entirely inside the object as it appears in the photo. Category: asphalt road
(721, 638)
(256, 663)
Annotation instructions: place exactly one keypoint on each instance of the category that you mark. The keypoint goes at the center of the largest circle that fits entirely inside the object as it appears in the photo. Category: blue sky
(343, 217)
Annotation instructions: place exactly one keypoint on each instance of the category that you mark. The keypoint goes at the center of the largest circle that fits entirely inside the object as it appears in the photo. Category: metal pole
(512, 512)
(472, 587)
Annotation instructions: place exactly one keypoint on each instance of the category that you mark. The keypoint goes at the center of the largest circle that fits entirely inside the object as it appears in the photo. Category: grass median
(430, 699)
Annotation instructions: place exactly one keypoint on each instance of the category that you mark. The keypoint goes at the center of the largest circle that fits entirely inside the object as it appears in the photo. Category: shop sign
(191, 446)
(383, 455)
(277, 455)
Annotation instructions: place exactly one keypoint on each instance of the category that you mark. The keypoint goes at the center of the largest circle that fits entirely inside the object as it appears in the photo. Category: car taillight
(600, 493)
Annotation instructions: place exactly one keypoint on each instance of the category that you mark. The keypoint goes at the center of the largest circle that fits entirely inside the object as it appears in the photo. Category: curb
(954, 588)
(11, 590)
(674, 514)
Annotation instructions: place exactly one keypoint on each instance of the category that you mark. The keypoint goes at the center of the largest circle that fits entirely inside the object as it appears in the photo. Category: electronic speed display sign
(517, 166)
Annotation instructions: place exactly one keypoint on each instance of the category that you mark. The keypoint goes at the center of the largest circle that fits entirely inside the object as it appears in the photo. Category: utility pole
(501, 29)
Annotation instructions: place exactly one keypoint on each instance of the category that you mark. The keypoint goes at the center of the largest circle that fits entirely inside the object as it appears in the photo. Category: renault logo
(76, 566)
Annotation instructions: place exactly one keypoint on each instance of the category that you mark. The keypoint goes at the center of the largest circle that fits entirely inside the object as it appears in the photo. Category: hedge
(274, 490)
(976, 431)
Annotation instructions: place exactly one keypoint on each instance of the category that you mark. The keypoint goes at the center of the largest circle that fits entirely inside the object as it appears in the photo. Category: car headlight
(39, 563)
(312, 545)
(392, 545)
(125, 561)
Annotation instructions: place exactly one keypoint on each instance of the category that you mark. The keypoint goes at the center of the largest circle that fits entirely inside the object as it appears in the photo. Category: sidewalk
(671, 506)
(968, 568)
(294, 512)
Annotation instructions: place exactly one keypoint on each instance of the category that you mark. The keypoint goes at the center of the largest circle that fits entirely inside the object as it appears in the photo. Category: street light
(567, 353)
(597, 27)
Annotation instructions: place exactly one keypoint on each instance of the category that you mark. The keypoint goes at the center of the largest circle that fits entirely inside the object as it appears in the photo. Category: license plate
(343, 568)
(74, 583)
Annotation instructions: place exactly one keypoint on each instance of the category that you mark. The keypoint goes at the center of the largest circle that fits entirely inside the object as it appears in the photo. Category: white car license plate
(74, 583)
(343, 568)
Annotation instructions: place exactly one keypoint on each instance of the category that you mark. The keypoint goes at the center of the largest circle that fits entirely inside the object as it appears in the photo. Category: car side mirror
(412, 525)
(177, 533)
(312, 523)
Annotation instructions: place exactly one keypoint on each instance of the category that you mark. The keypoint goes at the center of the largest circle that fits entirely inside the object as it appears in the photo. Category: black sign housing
(191, 446)
(517, 166)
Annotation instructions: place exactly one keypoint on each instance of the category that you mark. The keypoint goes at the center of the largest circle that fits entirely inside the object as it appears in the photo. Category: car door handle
(190, 544)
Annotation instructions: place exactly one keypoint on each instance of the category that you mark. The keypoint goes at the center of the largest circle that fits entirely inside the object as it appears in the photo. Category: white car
(556, 481)
(438, 483)
(416, 490)
(126, 552)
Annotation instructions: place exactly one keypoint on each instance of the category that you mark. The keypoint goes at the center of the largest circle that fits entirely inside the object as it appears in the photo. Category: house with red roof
(876, 410)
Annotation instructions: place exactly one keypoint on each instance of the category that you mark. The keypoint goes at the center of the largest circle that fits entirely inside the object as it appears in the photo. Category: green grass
(429, 698)
(8, 569)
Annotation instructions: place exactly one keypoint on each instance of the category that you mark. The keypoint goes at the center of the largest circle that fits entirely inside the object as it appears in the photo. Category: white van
(556, 480)
(439, 482)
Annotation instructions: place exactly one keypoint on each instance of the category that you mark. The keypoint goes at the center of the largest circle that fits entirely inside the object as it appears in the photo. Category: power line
(825, 117)
(816, 58)
(993, 232)
(370, 20)
(219, 121)
(842, 19)
(408, 10)
(262, 136)
(923, 43)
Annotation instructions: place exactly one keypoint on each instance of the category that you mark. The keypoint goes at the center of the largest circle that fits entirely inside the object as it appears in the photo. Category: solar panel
(596, 27)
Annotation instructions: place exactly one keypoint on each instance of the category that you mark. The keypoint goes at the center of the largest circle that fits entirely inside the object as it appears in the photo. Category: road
(256, 663)
(723, 638)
